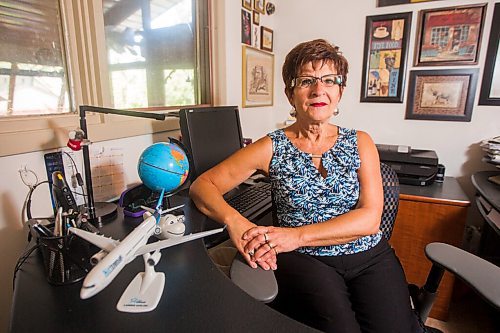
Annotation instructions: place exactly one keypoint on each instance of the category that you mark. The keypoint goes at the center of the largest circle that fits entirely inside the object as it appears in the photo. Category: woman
(335, 271)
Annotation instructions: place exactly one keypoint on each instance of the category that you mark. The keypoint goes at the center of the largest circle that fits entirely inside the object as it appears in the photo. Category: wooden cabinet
(434, 213)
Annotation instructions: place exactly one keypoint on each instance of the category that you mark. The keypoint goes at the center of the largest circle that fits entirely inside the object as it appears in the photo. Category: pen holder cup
(66, 258)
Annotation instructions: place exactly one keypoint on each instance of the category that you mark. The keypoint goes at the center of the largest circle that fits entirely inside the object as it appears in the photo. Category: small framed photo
(246, 27)
(266, 39)
(384, 60)
(441, 94)
(490, 86)
(256, 17)
(247, 4)
(258, 77)
(256, 37)
(260, 6)
(449, 36)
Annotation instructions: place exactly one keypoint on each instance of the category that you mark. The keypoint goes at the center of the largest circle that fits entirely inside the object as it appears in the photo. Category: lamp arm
(85, 149)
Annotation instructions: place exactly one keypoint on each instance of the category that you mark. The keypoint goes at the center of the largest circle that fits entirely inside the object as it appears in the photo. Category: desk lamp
(101, 211)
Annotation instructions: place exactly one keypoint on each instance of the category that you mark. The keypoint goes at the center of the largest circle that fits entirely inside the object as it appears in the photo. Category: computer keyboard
(252, 200)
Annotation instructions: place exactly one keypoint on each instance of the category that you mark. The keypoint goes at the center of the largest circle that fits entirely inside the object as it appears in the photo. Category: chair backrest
(390, 184)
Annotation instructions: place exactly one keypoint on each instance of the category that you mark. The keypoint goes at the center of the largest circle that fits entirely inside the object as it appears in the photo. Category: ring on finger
(266, 239)
(251, 253)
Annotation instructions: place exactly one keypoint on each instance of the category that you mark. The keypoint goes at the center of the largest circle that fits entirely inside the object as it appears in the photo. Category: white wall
(340, 21)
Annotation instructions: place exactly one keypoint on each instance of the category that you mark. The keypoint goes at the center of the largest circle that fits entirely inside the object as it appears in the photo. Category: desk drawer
(490, 214)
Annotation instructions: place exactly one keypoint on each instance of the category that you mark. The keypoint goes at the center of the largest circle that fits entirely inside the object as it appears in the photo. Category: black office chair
(478, 273)
(262, 285)
(482, 276)
(390, 185)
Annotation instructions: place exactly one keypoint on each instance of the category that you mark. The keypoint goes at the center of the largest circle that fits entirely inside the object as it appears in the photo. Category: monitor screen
(210, 134)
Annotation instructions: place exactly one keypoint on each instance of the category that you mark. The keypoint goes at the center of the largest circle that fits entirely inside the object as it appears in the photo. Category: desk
(434, 213)
(488, 204)
(197, 296)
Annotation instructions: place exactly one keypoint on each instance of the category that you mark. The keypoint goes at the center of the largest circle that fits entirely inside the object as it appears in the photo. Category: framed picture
(385, 3)
(246, 27)
(256, 36)
(256, 17)
(258, 77)
(247, 4)
(441, 94)
(449, 36)
(259, 5)
(384, 60)
(490, 86)
(266, 39)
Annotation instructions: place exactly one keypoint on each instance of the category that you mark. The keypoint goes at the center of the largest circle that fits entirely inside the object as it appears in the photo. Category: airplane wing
(105, 243)
(174, 241)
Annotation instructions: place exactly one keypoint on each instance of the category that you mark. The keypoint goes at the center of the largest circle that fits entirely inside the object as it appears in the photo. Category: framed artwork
(259, 5)
(247, 4)
(256, 36)
(256, 17)
(490, 86)
(449, 36)
(246, 27)
(385, 57)
(385, 3)
(266, 39)
(441, 94)
(258, 77)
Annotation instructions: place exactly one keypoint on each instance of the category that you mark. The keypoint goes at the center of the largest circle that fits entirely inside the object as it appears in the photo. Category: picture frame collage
(252, 32)
(449, 36)
(257, 57)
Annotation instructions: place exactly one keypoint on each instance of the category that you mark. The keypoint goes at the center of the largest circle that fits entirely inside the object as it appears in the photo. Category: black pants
(362, 292)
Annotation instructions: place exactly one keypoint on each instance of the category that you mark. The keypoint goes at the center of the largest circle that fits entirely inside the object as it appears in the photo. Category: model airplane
(145, 290)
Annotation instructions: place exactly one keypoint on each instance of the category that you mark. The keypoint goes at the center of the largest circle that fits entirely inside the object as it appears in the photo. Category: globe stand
(102, 211)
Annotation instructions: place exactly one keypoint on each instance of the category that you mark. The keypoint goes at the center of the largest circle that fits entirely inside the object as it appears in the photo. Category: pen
(58, 223)
(42, 230)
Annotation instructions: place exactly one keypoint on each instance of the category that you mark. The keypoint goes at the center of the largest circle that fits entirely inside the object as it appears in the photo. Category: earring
(293, 112)
(336, 111)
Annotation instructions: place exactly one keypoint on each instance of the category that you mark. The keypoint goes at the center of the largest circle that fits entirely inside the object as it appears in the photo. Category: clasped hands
(261, 245)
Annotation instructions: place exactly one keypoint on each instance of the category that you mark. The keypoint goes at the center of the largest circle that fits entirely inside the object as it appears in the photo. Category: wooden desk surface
(448, 192)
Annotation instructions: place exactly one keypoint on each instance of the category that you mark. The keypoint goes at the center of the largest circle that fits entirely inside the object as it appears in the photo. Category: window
(56, 55)
(155, 52)
(33, 78)
(440, 36)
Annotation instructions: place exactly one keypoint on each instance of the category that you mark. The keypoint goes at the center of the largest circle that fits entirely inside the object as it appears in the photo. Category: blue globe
(163, 166)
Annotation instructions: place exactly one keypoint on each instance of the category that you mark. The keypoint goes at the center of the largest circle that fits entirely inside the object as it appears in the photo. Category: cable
(28, 201)
(79, 179)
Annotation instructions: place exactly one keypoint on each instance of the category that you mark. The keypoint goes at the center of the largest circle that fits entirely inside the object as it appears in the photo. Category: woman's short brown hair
(314, 50)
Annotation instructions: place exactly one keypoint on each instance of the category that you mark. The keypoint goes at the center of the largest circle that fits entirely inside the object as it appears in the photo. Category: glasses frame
(338, 78)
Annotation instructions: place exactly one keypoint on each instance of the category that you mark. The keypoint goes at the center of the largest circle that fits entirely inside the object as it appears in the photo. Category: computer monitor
(210, 134)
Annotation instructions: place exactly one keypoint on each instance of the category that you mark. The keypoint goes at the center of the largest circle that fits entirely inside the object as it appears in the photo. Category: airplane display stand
(144, 292)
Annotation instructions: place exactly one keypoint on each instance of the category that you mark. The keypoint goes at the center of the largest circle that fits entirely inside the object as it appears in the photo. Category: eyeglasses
(328, 80)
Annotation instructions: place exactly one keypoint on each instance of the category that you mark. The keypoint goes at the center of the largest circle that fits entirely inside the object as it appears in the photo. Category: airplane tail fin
(157, 212)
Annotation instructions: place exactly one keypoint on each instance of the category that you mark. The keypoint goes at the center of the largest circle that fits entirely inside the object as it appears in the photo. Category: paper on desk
(108, 180)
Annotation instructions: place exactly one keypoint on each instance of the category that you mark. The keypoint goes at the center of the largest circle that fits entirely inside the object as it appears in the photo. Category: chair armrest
(481, 275)
(257, 282)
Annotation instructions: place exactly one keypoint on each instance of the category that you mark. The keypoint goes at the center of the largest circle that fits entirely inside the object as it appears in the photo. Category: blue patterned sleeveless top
(302, 196)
